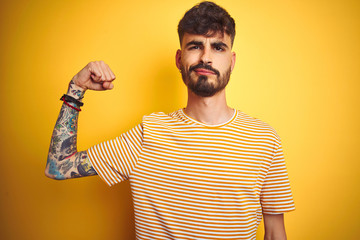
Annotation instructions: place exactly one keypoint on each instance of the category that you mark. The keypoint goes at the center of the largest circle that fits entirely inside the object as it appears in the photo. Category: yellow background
(298, 68)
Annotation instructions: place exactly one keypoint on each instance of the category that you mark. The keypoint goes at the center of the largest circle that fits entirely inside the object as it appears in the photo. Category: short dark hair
(207, 18)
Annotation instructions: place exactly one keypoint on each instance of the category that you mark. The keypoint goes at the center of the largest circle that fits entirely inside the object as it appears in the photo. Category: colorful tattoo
(84, 167)
(63, 160)
(76, 92)
(53, 170)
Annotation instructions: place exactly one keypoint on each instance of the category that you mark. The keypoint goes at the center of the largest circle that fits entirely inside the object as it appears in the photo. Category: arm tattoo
(84, 167)
(63, 160)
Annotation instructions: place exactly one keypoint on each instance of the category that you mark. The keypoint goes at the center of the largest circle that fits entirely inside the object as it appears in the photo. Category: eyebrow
(219, 44)
(196, 43)
(214, 44)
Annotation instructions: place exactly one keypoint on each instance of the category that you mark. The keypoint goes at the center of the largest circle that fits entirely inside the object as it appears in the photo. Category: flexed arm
(64, 161)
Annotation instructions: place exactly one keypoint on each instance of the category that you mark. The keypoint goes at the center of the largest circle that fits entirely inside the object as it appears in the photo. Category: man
(203, 172)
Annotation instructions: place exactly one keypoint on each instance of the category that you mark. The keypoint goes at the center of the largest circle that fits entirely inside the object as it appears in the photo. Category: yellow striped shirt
(190, 180)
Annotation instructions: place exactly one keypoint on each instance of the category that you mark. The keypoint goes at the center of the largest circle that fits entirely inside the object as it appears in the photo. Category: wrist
(75, 91)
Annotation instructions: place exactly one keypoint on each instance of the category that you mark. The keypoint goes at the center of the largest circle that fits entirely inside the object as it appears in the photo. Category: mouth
(202, 71)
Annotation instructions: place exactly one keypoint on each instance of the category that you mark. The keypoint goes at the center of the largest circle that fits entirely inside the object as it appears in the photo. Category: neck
(209, 110)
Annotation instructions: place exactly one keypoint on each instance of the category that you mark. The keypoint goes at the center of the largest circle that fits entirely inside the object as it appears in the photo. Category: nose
(206, 57)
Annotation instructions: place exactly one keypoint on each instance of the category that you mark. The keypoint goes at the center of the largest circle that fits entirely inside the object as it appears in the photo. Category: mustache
(204, 66)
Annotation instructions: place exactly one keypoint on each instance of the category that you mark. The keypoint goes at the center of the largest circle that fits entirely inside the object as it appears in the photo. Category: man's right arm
(64, 161)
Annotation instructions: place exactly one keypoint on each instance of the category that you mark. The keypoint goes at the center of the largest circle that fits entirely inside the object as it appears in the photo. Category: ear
(178, 58)
(233, 59)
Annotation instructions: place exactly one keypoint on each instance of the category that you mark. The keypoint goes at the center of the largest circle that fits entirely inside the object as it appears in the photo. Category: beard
(201, 85)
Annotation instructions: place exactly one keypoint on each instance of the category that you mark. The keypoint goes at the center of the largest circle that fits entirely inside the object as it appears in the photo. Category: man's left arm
(276, 197)
(274, 227)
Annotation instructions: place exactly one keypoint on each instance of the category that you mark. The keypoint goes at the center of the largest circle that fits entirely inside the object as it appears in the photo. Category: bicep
(78, 165)
(274, 226)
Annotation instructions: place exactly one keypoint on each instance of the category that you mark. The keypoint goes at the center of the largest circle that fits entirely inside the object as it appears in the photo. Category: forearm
(274, 227)
(63, 157)
(274, 237)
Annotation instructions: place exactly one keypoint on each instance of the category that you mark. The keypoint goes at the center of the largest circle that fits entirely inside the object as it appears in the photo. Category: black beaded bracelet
(68, 98)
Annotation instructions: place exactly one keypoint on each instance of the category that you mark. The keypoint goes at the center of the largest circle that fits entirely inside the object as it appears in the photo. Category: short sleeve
(114, 160)
(276, 196)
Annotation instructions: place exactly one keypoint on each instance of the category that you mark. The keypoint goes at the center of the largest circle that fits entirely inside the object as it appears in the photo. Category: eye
(219, 49)
(195, 47)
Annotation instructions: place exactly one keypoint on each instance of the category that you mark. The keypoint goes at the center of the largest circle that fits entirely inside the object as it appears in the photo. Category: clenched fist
(95, 76)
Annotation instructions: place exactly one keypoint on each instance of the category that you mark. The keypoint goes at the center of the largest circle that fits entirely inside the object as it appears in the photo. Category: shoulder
(161, 117)
(156, 117)
(254, 125)
(160, 121)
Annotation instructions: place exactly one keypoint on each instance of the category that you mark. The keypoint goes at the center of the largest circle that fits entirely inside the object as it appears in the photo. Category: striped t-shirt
(190, 180)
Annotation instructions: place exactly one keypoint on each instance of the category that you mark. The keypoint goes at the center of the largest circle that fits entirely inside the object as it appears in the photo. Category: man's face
(205, 62)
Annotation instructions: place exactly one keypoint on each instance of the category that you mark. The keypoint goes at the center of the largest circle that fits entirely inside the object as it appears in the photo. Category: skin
(214, 51)
(65, 162)
(274, 227)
